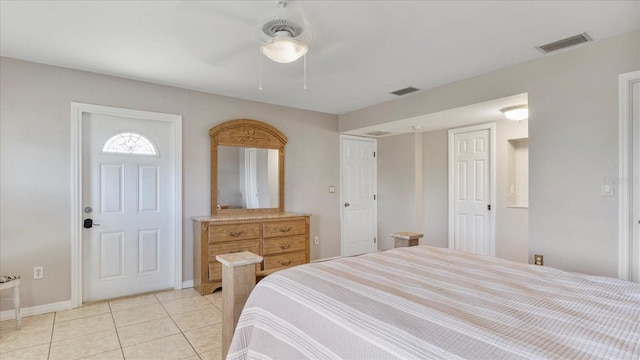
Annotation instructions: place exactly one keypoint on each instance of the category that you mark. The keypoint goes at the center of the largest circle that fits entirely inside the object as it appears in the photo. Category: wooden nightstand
(404, 239)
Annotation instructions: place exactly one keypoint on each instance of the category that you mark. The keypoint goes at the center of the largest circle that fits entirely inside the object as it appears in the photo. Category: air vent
(378, 133)
(404, 91)
(565, 43)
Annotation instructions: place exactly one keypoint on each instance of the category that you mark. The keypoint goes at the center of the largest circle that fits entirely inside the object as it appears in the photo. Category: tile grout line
(51, 338)
(115, 328)
(102, 331)
(179, 329)
(134, 324)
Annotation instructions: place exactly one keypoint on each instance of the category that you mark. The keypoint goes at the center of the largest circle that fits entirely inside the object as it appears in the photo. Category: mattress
(432, 303)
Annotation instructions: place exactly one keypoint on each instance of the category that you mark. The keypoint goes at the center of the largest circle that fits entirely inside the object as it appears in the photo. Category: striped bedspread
(432, 303)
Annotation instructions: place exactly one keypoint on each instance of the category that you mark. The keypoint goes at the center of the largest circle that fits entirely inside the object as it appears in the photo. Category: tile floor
(176, 324)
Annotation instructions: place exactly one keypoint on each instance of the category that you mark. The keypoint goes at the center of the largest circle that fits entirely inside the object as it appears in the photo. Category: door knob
(88, 224)
(346, 204)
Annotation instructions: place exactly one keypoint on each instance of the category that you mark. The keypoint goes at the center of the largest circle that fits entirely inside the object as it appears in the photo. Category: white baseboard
(53, 307)
(326, 259)
(36, 310)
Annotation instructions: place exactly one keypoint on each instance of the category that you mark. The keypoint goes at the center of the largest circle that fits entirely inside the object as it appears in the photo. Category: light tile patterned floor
(177, 324)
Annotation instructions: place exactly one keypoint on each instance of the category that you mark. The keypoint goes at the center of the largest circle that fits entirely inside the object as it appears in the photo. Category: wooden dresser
(282, 239)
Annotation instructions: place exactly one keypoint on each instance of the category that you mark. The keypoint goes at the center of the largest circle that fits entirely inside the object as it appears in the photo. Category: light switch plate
(607, 189)
(332, 189)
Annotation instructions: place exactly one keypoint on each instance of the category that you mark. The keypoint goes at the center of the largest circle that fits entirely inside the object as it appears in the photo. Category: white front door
(358, 192)
(471, 170)
(129, 193)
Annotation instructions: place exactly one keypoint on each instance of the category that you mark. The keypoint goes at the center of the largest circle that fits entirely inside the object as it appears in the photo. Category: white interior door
(129, 193)
(471, 181)
(358, 192)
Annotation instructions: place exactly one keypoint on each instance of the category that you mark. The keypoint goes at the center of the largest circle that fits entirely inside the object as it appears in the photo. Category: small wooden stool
(11, 282)
(404, 239)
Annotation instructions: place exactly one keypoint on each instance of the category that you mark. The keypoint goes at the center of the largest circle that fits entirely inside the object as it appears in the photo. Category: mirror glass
(247, 178)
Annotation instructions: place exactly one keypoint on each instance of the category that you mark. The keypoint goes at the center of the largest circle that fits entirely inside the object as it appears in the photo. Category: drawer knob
(284, 230)
(235, 234)
(285, 263)
(285, 246)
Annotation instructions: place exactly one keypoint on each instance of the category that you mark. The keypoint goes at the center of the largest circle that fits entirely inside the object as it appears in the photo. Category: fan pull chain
(305, 72)
(260, 70)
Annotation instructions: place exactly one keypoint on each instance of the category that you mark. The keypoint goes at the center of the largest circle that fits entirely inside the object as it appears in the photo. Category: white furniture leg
(16, 303)
(15, 286)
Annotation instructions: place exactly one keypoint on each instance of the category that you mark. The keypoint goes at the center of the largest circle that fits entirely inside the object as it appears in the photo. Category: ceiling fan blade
(239, 53)
(216, 32)
(234, 11)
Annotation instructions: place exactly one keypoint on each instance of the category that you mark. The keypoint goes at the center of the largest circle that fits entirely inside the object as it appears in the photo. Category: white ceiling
(361, 50)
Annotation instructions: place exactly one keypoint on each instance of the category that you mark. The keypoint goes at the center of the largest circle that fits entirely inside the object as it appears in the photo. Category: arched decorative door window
(129, 143)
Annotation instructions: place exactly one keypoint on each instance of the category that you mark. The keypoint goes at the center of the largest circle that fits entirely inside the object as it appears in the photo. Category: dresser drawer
(284, 260)
(233, 247)
(284, 228)
(281, 245)
(219, 233)
(215, 268)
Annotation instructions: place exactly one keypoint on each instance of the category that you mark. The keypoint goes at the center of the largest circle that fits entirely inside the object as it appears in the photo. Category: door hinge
(374, 240)
(374, 196)
(489, 207)
(374, 154)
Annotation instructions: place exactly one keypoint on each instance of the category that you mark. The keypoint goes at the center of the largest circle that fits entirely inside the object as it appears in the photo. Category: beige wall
(573, 143)
(35, 164)
(436, 187)
(396, 187)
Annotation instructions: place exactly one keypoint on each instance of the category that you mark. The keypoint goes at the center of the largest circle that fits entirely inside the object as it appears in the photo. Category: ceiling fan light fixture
(518, 112)
(284, 49)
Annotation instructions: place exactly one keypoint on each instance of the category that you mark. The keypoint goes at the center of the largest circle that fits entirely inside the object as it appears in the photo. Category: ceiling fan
(280, 34)
(284, 35)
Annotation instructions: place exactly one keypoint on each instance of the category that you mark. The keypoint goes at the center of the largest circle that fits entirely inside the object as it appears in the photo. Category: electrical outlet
(316, 240)
(538, 259)
(38, 272)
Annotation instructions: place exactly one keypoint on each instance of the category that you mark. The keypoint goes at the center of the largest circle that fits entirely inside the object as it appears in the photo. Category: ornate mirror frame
(246, 133)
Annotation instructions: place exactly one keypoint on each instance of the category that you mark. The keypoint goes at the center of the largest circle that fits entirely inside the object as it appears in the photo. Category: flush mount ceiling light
(284, 36)
(518, 112)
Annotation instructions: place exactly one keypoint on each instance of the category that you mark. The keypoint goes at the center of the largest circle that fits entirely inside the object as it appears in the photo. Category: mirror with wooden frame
(247, 168)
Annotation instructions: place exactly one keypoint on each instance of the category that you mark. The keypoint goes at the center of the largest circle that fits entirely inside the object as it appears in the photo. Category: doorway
(127, 213)
(472, 189)
(358, 173)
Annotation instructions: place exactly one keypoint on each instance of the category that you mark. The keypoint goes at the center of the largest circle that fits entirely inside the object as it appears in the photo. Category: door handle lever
(88, 224)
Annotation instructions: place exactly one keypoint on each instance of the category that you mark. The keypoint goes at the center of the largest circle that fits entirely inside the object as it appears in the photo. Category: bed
(432, 303)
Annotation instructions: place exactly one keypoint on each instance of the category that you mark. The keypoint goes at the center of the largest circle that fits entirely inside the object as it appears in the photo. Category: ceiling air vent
(378, 133)
(404, 91)
(565, 43)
